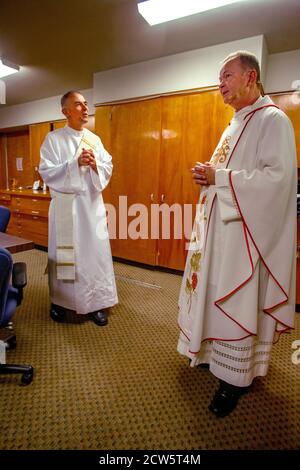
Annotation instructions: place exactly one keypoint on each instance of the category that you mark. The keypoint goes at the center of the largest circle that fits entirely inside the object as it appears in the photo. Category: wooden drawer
(5, 202)
(30, 206)
(32, 227)
(35, 224)
(14, 230)
(5, 198)
(15, 221)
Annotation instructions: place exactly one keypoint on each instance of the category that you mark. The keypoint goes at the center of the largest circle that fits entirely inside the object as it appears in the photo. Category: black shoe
(226, 398)
(203, 365)
(57, 313)
(100, 318)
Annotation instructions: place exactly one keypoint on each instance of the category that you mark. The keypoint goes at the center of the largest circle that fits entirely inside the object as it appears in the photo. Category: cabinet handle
(152, 197)
(162, 198)
(35, 212)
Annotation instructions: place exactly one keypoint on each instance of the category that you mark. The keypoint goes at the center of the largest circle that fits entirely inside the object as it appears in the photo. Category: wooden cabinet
(133, 140)
(37, 134)
(29, 214)
(17, 146)
(154, 143)
(187, 136)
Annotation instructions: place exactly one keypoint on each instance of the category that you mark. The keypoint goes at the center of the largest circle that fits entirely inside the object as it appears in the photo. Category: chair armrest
(19, 275)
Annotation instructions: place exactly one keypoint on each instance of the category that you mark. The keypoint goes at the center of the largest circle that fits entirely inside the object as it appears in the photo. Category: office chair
(4, 218)
(10, 297)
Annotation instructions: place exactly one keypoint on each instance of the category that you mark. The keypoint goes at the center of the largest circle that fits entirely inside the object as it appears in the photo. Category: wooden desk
(15, 244)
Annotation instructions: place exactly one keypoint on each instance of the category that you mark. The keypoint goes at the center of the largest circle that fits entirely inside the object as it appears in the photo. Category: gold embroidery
(221, 152)
(84, 139)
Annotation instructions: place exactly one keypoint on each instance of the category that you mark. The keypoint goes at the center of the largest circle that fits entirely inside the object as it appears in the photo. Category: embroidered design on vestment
(195, 260)
(222, 152)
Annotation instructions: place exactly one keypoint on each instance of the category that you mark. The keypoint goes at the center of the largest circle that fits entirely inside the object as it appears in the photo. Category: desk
(15, 244)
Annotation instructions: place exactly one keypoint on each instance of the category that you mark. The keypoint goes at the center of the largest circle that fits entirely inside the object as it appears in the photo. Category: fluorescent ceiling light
(160, 11)
(7, 68)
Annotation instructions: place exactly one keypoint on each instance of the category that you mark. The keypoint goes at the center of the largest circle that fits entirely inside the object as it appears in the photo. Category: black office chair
(10, 297)
(4, 218)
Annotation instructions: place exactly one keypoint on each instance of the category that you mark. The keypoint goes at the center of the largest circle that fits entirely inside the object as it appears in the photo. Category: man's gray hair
(66, 96)
(247, 61)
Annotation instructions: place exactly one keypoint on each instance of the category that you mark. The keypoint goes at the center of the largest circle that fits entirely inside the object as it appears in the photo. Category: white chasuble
(80, 269)
(238, 289)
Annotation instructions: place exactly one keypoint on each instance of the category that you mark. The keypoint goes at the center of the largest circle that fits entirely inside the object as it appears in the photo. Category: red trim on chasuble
(265, 310)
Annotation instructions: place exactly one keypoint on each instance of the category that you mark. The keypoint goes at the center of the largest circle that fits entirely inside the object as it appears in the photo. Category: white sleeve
(62, 177)
(104, 167)
(227, 204)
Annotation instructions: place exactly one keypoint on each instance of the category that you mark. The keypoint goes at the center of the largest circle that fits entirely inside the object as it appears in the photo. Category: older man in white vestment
(238, 290)
(77, 168)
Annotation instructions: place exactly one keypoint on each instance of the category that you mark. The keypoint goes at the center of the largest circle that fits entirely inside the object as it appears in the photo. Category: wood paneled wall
(154, 144)
(26, 144)
(131, 132)
(188, 136)
(18, 146)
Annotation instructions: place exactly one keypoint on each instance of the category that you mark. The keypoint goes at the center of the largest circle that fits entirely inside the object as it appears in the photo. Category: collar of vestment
(73, 132)
(260, 102)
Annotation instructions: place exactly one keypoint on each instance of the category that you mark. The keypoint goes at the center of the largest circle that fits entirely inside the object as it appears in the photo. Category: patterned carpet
(124, 386)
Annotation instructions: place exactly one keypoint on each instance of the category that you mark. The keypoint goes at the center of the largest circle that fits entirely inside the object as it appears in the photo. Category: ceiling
(61, 43)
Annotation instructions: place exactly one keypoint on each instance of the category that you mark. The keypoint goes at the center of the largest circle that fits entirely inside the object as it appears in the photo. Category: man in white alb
(76, 168)
(238, 290)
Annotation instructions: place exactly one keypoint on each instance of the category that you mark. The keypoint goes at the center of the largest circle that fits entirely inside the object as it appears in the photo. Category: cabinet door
(17, 145)
(131, 133)
(37, 134)
(191, 127)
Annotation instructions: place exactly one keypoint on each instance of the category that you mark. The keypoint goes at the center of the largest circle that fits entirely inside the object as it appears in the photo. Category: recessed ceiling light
(7, 68)
(160, 11)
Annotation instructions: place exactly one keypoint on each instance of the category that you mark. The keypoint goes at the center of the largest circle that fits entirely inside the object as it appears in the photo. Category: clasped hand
(204, 173)
(87, 158)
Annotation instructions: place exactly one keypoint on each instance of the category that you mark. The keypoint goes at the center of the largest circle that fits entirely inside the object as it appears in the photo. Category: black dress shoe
(203, 365)
(100, 318)
(57, 313)
(226, 398)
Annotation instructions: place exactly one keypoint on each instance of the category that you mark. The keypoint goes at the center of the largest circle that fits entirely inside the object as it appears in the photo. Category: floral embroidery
(197, 239)
(221, 152)
(194, 281)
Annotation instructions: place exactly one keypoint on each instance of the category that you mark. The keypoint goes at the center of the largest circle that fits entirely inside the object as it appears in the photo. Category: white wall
(45, 110)
(264, 62)
(192, 69)
(283, 70)
(187, 70)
